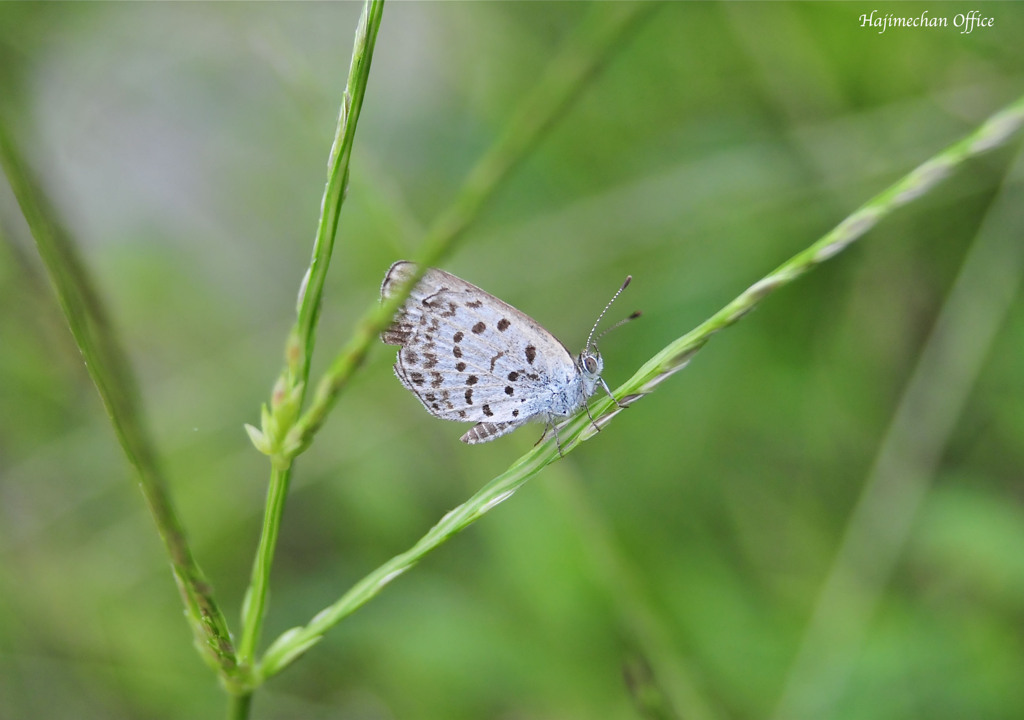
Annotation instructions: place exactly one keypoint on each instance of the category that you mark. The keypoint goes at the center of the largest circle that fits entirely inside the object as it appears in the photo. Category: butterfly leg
(596, 426)
(554, 430)
(607, 390)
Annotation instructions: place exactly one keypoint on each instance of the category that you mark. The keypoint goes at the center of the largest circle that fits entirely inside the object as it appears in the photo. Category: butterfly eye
(590, 364)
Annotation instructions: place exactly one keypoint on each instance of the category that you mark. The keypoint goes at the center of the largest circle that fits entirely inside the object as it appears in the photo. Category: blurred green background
(670, 567)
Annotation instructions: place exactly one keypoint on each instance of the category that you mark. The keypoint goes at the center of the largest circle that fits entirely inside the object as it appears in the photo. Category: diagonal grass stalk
(111, 373)
(673, 357)
(882, 520)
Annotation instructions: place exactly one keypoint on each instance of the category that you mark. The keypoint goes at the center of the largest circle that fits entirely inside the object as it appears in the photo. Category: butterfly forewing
(469, 356)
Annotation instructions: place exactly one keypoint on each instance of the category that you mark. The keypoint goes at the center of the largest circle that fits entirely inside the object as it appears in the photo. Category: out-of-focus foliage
(185, 146)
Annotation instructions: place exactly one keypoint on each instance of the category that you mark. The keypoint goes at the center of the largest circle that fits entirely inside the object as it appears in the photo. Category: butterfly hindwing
(471, 357)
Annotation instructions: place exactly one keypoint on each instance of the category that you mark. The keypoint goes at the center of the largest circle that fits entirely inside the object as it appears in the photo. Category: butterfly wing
(470, 357)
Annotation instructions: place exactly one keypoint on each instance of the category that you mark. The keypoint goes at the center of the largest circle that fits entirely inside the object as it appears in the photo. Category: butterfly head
(591, 365)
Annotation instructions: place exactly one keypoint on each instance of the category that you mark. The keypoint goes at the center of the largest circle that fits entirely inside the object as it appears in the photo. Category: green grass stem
(290, 388)
(112, 374)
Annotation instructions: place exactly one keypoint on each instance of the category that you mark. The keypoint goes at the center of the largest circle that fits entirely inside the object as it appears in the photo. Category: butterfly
(470, 357)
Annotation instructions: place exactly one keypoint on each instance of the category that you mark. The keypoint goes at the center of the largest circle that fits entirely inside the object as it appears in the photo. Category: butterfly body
(470, 357)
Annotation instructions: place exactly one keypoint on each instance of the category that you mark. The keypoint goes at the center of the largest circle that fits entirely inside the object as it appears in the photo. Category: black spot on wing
(531, 354)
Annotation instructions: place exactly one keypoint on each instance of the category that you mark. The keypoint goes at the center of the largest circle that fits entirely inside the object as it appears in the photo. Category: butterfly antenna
(598, 321)
(632, 316)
